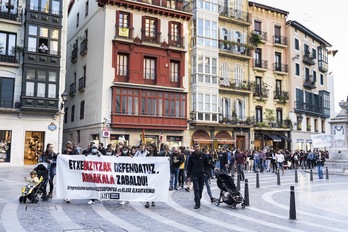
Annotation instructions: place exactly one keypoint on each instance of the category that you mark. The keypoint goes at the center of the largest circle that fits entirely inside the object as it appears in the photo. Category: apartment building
(309, 84)
(270, 77)
(127, 74)
(31, 78)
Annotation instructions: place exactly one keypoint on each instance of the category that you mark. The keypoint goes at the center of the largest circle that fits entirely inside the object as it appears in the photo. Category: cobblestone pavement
(321, 205)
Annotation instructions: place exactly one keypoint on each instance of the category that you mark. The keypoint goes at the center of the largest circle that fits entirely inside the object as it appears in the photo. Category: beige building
(269, 75)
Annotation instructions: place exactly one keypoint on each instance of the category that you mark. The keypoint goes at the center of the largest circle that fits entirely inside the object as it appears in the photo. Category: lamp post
(64, 97)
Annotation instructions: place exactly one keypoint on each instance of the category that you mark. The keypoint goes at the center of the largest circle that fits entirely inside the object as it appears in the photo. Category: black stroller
(229, 193)
(38, 190)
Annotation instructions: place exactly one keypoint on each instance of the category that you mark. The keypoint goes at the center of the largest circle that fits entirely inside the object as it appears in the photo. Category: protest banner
(110, 177)
(321, 140)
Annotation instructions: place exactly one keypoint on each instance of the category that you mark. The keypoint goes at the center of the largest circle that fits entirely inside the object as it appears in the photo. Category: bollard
(311, 175)
(278, 178)
(292, 211)
(246, 193)
(296, 178)
(327, 173)
(257, 180)
(238, 182)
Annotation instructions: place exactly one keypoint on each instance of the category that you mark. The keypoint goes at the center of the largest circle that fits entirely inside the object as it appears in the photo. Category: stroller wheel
(24, 199)
(21, 199)
(243, 205)
(233, 206)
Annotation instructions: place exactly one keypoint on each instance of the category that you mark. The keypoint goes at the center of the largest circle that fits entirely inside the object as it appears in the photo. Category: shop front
(5, 146)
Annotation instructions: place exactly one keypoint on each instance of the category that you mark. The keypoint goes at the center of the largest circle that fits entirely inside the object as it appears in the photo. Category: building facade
(32, 74)
(128, 73)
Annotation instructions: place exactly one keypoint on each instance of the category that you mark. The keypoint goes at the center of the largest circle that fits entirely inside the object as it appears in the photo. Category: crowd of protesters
(228, 159)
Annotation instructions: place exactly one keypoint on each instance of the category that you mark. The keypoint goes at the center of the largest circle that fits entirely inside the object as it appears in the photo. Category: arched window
(225, 74)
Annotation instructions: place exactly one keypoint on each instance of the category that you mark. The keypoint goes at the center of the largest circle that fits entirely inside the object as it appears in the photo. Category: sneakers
(90, 202)
(212, 199)
(67, 201)
(123, 202)
(187, 189)
(147, 205)
(49, 195)
(170, 189)
(153, 204)
(175, 188)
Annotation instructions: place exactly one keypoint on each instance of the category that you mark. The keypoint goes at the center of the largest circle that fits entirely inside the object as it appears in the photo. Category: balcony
(281, 96)
(10, 13)
(311, 109)
(72, 89)
(9, 59)
(263, 35)
(83, 47)
(82, 84)
(235, 120)
(73, 56)
(237, 16)
(308, 58)
(259, 93)
(124, 32)
(236, 49)
(280, 68)
(309, 83)
(280, 41)
(261, 65)
(176, 41)
(153, 37)
(323, 66)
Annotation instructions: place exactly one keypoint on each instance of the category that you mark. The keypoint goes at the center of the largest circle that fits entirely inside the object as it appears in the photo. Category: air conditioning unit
(106, 134)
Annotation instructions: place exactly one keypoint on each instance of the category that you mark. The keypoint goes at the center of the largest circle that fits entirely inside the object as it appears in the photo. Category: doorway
(33, 147)
(240, 142)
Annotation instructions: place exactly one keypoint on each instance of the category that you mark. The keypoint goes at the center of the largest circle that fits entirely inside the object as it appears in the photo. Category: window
(41, 83)
(82, 110)
(122, 65)
(150, 103)
(72, 113)
(175, 33)
(297, 44)
(77, 20)
(257, 27)
(238, 75)
(6, 92)
(150, 30)
(38, 35)
(86, 8)
(56, 7)
(149, 68)
(174, 71)
(278, 87)
(7, 43)
(258, 114)
(123, 24)
(206, 105)
(277, 34)
(278, 61)
(44, 6)
(314, 76)
(314, 53)
(321, 79)
(258, 58)
(297, 71)
(207, 33)
(279, 113)
(66, 114)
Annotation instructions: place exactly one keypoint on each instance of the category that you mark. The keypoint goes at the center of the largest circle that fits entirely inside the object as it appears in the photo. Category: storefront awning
(275, 138)
(225, 141)
(203, 141)
(285, 138)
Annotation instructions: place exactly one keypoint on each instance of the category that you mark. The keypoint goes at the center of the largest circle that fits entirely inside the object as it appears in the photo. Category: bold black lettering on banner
(131, 180)
(134, 168)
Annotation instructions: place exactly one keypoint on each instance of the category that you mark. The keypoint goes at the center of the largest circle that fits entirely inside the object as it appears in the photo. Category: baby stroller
(33, 193)
(229, 193)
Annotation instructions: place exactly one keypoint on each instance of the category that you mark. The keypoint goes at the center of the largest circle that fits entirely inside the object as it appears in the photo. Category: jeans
(182, 177)
(207, 184)
(174, 175)
(240, 171)
(198, 184)
(320, 171)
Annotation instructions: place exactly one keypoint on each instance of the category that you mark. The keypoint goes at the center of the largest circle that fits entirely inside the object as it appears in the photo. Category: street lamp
(64, 97)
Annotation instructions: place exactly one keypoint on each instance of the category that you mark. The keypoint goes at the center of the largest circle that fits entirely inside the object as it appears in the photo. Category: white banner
(110, 177)
(322, 140)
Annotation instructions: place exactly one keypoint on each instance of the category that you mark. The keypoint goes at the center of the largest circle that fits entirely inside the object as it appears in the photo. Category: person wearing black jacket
(197, 166)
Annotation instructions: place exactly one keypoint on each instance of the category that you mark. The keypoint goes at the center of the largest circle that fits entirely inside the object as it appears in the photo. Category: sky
(324, 18)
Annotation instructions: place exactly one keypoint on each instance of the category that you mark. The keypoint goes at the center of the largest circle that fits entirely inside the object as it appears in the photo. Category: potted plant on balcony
(255, 39)
(9, 6)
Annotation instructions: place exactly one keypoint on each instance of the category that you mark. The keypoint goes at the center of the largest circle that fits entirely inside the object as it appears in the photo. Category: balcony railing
(177, 5)
(312, 109)
(150, 37)
(309, 83)
(282, 40)
(279, 67)
(235, 14)
(234, 48)
(258, 63)
(281, 96)
(72, 89)
(82, 84)
(176, 40)
(308, 58)
(260, 92)
(236, 85)
(263, 34)
(237, 120)
(10, 13)
(83, 47)
(9, 59)
(124, 32)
